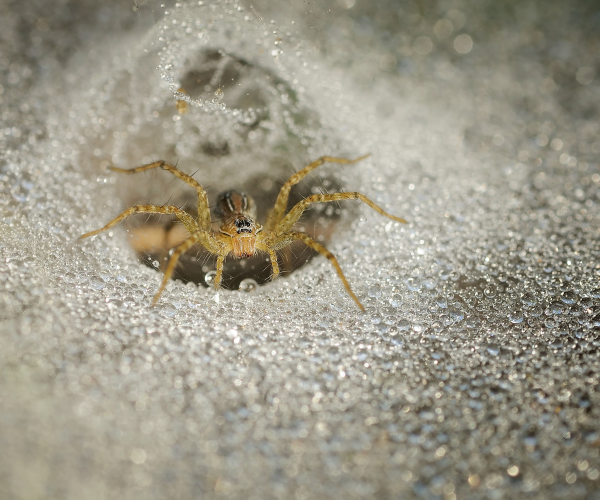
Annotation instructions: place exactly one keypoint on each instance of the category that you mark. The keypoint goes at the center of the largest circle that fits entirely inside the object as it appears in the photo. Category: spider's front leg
(214, 243)
(267, 241)
(187, 220)
(280, 207)
(203, 208)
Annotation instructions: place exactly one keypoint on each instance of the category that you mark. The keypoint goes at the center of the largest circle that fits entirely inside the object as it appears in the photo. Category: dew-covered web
(473, 372)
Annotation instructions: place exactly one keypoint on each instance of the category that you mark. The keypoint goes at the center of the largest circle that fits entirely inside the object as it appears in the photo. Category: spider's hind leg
(287, 238)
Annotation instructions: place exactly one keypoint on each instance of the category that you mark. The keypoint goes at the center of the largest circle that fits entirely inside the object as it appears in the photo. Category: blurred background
(474, 372)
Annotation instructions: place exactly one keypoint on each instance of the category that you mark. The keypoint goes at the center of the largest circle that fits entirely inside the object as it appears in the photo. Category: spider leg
(294, 214)
(206, 239)
(287, 238)
(265, 241)
(188, 221)
(219, 274)
(203, 208)
(274, 265)
(282, 200)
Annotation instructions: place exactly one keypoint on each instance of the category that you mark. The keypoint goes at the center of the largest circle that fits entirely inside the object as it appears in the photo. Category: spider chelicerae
(239, 232)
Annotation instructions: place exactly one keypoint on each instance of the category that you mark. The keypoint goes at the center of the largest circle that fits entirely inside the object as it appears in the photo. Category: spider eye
(243, 226)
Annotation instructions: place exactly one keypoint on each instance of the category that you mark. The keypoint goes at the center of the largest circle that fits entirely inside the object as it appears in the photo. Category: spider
(239, 232)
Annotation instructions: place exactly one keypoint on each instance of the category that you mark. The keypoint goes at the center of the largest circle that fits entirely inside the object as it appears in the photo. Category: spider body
(240, 234)
(238, 213)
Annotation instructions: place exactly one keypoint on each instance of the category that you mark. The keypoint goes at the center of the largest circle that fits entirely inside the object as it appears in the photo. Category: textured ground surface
(473, 373)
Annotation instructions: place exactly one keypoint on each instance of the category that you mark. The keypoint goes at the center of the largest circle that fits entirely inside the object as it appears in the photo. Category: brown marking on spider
(239, 232)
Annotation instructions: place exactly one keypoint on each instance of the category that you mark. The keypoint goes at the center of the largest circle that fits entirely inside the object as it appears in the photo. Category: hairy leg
(274, 265)
(266, 242)
(203, 208)
(188, 221)
(295, 213)
(282, 200)
(219, 275)
(286, 239)
(207, 240)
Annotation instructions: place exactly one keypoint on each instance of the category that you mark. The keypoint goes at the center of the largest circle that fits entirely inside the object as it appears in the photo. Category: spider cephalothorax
(239, 233)
(237, 212)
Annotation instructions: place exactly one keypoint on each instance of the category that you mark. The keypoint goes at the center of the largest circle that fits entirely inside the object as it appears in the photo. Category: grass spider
(239, 232)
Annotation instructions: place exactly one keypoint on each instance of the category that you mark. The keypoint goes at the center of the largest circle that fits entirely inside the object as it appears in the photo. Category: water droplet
(528, 299)
(569, 297)
(248, 285)
(473, 322)
(489, 291)
(375, 290)
(441, 301)
(97, 283)
(456, 314)
(403, 325)
(493, 349)
(209, 277)
(413, 283)
(515, 316)
(429, 282)
(418, 328)
(534, 312)
(396, 300)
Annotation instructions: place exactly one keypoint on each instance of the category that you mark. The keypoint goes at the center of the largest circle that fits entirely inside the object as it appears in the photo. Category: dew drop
(413, 283)
(569, 297)
(209, 277)
(534, 312)
(516, 316)
(528, 299)
(441, 301)
(248, 285)
(456, 314)
(403, 325)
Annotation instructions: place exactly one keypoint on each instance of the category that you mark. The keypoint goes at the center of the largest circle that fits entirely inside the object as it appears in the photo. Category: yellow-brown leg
(219, 275)
(188, 221)
(292, 217)
(205, 238)
(282, 200)
(203, 208)
(286, 239)
(179, 250)
(274, 265)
